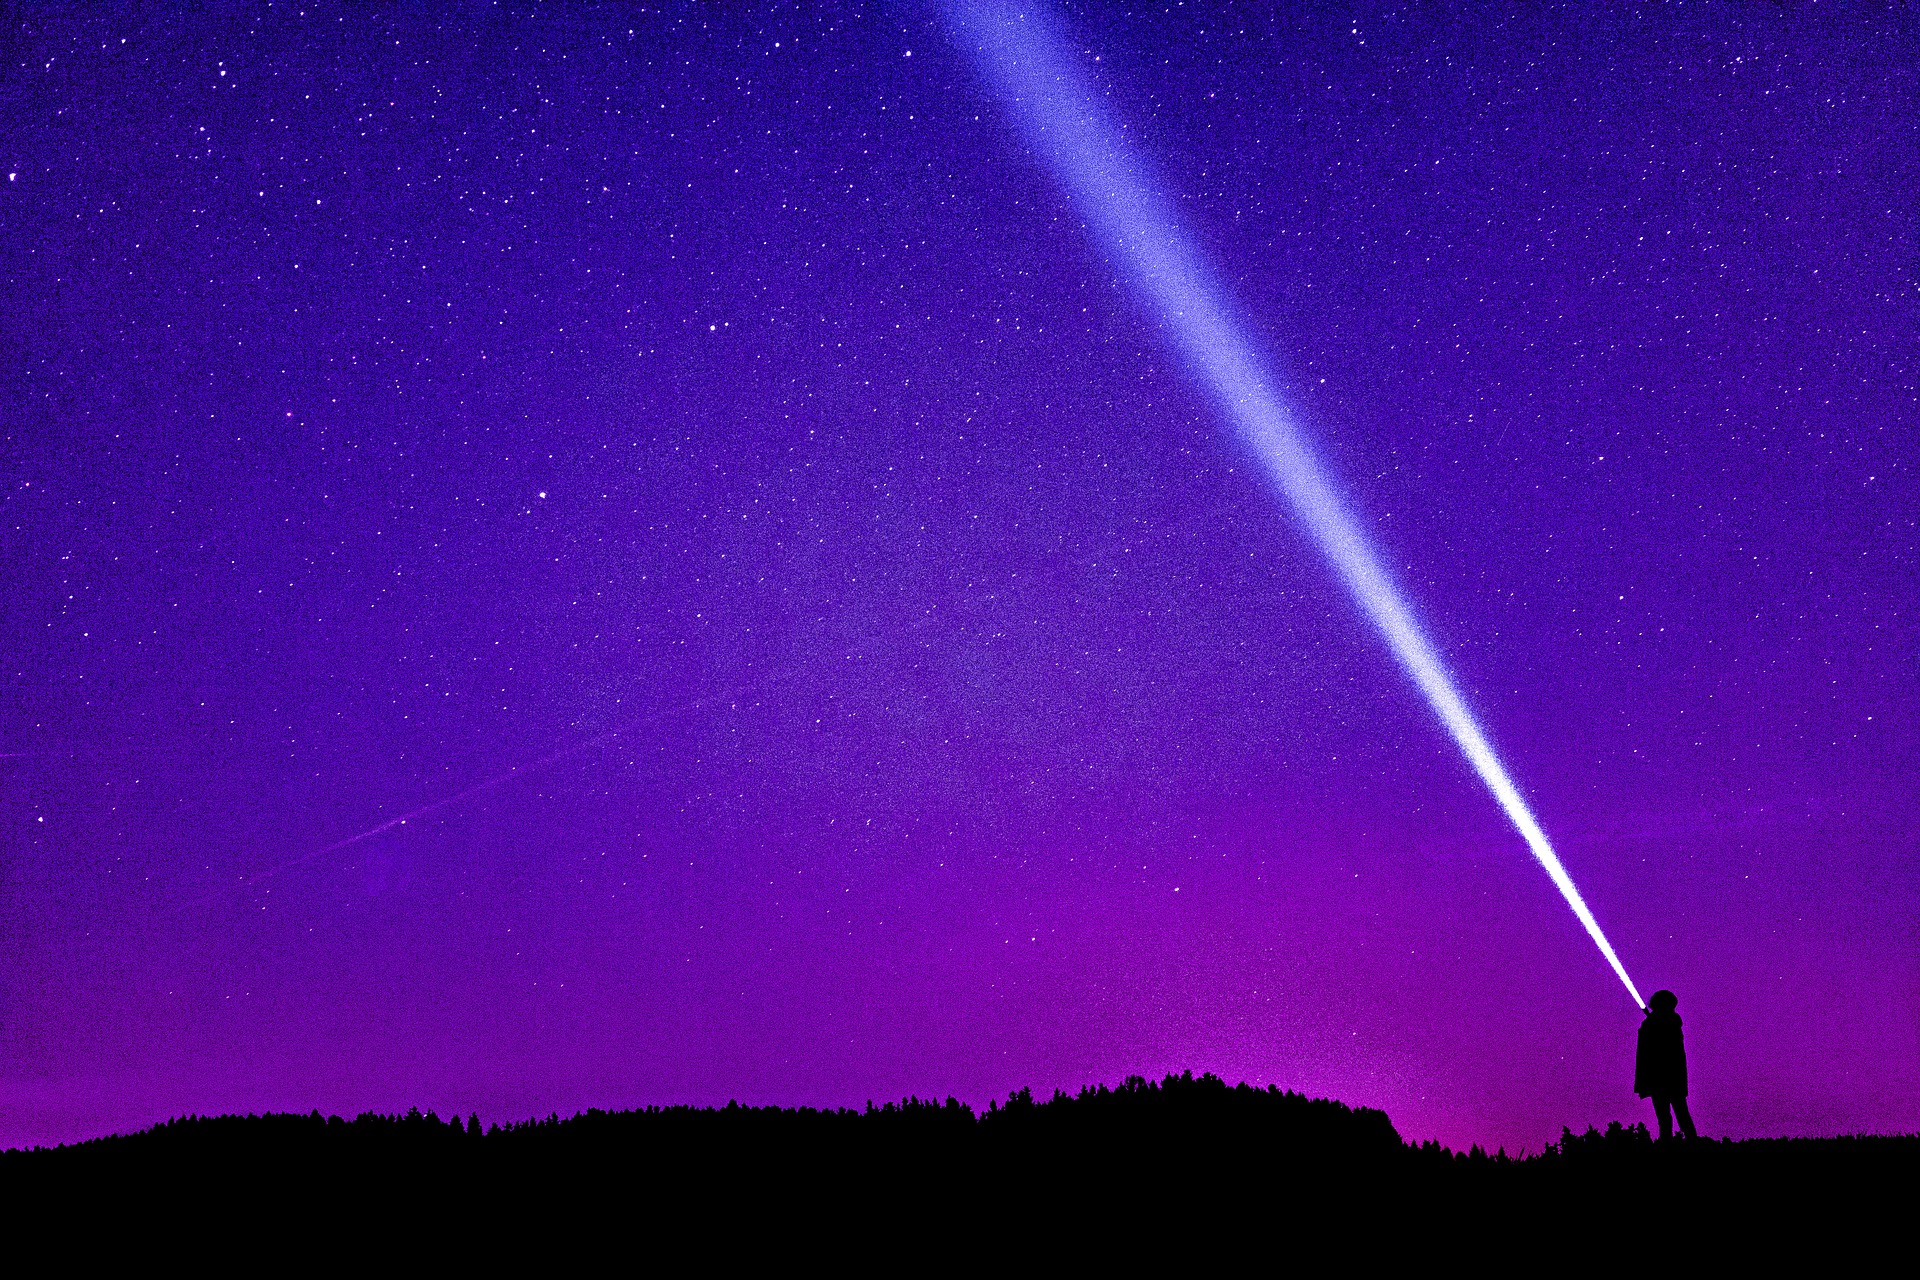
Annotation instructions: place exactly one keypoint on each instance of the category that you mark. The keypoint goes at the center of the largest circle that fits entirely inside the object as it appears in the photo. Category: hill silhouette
(1186, 1167)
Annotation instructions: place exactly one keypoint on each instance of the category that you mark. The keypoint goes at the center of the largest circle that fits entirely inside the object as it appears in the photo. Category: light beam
(1059, 114)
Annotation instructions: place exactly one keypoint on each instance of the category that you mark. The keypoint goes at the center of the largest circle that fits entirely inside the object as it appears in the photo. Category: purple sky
(388, 402)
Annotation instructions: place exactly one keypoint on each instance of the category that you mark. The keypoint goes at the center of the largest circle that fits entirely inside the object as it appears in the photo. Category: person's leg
(1686, 1119)
(1664, 1110)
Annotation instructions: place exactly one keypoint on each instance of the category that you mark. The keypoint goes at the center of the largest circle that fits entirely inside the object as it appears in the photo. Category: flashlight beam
(1059, 114)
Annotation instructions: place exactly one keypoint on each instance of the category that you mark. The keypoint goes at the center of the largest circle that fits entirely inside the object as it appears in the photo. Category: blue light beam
(1058, 112)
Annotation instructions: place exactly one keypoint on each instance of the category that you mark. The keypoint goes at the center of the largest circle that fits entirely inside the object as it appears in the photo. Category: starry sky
(697, 465)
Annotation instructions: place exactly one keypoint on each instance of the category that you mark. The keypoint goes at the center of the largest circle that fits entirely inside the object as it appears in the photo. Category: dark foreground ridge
(1187, 1163)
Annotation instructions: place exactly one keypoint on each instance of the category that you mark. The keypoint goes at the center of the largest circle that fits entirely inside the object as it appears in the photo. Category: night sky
(716, 416)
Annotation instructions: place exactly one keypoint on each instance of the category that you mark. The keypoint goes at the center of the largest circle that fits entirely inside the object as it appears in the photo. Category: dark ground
(1183, 1173)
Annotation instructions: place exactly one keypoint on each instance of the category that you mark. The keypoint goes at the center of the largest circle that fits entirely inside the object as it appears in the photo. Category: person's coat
(1660, 1065)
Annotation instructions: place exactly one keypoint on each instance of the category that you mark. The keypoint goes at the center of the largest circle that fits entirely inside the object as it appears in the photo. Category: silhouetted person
(1660, 1065)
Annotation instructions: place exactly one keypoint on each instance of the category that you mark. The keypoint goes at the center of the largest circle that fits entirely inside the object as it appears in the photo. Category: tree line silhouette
(1185, 1166)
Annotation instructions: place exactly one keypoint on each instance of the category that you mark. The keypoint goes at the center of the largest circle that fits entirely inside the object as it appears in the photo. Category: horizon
(475, 1124)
